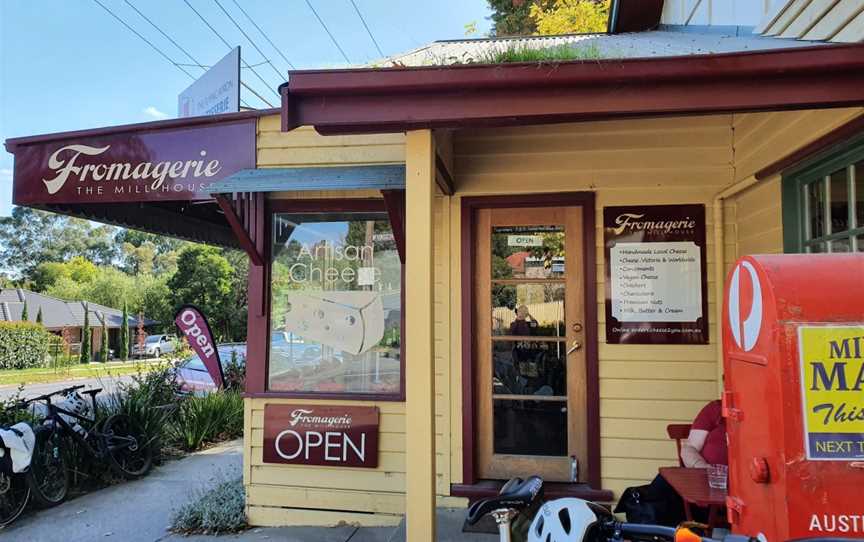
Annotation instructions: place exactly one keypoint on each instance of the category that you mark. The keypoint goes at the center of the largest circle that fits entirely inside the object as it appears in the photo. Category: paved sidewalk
(140, 511)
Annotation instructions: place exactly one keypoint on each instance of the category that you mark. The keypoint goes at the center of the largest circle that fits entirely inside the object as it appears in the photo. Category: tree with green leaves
(124, 333)
(103, 343)
(39, 316)
(30, 237)
(204, 278)
(85, 336)
(25, 315)
(548, 17)
(511, 18)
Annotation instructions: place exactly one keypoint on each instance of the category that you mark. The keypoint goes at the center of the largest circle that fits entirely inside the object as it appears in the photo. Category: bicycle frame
(54, 414)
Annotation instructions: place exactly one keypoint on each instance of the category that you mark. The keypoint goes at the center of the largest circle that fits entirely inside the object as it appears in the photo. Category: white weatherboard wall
(717, 12)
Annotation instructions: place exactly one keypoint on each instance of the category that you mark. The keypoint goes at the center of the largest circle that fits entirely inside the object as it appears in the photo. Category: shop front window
(336, 304)
(824, 204)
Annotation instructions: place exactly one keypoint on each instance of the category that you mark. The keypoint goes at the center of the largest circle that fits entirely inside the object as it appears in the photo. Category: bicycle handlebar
(52, 394)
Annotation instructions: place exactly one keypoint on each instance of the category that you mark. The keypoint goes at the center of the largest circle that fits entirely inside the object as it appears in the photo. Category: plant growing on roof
(85, 335)
(124, 334)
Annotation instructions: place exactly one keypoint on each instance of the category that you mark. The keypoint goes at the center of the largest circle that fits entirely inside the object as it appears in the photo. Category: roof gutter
(399, 99)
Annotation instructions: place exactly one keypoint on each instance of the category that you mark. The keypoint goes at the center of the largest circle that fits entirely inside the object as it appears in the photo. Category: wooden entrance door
(529, 324)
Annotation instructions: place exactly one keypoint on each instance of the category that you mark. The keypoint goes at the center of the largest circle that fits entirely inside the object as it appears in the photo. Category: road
(107, 383)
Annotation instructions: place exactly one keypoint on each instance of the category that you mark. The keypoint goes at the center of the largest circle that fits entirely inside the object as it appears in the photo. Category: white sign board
(215, 92)
(656, 282)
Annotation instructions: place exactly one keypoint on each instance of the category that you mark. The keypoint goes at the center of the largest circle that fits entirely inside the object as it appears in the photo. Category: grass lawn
(90, 370)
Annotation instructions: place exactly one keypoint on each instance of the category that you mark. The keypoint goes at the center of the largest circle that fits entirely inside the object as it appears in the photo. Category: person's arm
(691, 448)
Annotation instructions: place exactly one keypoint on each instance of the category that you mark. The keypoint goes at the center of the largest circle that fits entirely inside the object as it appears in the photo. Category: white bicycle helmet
(564, 520)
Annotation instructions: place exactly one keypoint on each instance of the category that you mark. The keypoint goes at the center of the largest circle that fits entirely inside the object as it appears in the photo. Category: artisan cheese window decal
(335, 304)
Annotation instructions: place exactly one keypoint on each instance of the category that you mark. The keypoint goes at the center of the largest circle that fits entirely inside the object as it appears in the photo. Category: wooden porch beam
(443, 178)
(243, 237)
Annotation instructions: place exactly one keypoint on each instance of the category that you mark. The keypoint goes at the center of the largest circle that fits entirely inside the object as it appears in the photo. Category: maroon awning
(398, 99)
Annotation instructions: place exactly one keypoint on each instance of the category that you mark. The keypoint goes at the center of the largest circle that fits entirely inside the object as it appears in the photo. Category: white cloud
(151, 111)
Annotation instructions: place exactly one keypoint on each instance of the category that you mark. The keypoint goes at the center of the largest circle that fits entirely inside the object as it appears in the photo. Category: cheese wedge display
(349, 321)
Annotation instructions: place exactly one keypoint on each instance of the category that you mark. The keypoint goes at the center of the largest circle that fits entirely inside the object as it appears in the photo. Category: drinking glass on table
(718, 476)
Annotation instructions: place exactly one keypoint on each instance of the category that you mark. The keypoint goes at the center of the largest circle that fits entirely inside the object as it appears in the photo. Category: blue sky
(69, 65)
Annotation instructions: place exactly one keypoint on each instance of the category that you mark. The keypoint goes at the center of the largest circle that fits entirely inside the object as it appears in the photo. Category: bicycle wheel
(14, 494)
(48, 477)
(126, 446)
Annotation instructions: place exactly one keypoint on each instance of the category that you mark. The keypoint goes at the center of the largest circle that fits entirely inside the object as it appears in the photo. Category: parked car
(154, 346)
(192, 376)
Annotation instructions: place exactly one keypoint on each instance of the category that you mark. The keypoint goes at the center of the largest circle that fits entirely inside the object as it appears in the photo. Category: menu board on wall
(656, 288)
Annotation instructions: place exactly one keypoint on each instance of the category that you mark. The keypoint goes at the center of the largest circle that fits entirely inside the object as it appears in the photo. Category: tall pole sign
(215, 92)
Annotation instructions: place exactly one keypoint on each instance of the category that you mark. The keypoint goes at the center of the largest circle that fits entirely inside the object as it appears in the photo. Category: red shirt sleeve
(709, 417)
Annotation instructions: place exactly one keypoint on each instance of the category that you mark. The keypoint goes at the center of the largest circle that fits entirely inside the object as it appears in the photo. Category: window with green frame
(823, 203)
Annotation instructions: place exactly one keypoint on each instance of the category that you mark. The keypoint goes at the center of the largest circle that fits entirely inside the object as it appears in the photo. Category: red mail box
(793, 340)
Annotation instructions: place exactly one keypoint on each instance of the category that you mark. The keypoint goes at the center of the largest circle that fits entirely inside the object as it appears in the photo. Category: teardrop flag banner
(194, 326)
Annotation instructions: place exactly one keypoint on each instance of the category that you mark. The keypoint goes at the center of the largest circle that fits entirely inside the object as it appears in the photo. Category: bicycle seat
(516, 494)
(94, 392)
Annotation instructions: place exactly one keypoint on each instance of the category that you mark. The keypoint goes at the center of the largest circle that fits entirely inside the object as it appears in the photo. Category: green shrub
(208, 418)
(149, 401)
(23, 345)
(215, 511)
(235, 373)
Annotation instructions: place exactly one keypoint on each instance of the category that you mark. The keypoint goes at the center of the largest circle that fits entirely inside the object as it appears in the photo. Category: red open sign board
(344, 436)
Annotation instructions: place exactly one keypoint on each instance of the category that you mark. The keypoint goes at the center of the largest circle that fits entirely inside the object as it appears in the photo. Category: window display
(335, 304)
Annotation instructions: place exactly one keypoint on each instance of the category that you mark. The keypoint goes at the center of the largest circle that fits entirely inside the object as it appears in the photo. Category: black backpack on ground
(656, 503)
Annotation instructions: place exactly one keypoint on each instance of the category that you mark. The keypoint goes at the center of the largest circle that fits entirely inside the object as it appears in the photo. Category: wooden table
(692, 485)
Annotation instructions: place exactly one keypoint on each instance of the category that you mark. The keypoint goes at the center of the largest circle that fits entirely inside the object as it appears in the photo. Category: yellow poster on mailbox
(832, 391)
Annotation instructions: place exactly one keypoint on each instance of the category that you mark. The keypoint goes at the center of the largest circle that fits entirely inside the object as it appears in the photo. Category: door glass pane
(528, 309)
(859, 197)
(535, 252)
(529, 368)
(841, 245)
(839, 201)
(530, 427)
(816, 209)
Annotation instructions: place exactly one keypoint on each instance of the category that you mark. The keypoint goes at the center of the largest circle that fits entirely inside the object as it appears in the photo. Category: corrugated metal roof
(378, 177)
(667, 42)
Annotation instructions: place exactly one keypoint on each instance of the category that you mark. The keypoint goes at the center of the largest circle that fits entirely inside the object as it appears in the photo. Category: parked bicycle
(570, 519)
(14, 488)
(115, 441)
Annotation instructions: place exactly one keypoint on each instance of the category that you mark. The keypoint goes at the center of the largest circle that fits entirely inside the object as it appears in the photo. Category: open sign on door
(321, 435)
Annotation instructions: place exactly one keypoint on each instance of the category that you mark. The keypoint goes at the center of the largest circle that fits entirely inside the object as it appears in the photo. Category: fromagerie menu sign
(656, 290)
(321, 435)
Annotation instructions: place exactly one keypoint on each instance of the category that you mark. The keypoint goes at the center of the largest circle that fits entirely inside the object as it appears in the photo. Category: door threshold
(483, 489)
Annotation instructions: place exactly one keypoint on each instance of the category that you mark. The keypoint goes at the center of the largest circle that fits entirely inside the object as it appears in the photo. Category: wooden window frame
(261, 371)
(586, 200)
(816, 169)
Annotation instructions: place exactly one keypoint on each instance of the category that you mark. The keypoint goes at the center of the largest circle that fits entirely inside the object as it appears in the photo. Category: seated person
(706, 444)
(658, 502)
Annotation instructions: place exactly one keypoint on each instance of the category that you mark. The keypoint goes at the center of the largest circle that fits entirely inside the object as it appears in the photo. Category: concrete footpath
(140, 511)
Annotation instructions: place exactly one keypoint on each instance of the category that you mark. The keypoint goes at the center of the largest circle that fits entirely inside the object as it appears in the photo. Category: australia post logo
(73, 163)
(745, 306)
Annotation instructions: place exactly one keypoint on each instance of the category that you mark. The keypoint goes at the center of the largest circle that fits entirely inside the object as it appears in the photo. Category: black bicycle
(115, 440)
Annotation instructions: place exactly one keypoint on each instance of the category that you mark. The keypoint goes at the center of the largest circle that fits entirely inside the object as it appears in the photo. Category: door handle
(576, 346)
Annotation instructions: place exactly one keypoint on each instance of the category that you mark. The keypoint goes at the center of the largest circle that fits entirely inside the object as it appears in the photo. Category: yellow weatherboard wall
(643, 388)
